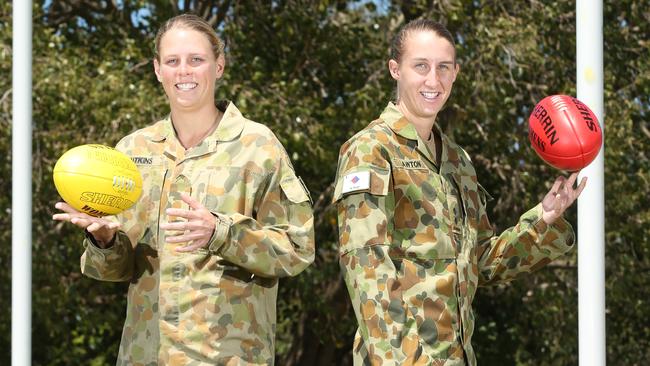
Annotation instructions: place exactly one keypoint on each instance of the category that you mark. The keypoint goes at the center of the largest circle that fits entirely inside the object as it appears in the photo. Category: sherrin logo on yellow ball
(97, 180)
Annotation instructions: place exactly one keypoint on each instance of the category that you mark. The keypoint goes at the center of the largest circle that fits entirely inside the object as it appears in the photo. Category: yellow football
(97, 180)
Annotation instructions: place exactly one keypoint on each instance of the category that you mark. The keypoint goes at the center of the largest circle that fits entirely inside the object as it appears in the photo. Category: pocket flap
(295, 190)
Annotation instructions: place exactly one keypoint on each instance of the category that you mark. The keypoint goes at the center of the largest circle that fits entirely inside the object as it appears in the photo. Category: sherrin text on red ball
(564, 132)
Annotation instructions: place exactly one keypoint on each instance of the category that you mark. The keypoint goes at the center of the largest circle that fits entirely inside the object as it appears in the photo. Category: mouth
(186, 86)
(430, 96)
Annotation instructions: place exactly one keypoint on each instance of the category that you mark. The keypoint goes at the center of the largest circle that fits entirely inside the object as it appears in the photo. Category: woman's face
(187, 68)
(425, 74)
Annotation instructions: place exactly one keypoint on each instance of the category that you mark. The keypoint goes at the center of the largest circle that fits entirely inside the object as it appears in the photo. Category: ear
(221, 66)
(456, 71)
(156, 69)
(393, 67)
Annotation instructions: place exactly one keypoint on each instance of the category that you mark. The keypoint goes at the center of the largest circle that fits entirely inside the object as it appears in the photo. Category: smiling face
(425, 75)
(187, 68)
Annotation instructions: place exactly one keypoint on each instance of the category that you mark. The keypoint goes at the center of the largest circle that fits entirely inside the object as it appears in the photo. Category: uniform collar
(402, 127)
(231, 124)
(162, 130)
(450, 161)
(229, 128)
(398, 123)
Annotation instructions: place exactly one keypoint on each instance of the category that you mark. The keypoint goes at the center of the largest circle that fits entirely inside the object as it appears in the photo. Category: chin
(429, 112)
(184, 104)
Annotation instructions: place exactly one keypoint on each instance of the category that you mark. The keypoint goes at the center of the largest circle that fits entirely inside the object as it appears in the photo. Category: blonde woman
(222, 217)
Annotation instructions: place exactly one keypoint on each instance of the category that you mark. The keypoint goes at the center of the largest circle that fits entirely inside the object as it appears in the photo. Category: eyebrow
(419, 59)
(190, 54)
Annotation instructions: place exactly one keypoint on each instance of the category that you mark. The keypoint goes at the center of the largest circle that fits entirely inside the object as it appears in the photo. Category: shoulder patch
(356, 182)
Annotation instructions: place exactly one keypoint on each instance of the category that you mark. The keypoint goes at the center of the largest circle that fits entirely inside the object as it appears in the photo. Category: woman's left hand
(197, 229)
(561, 196)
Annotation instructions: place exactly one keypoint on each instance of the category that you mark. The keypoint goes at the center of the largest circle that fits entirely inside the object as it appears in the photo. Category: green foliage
(315, 72)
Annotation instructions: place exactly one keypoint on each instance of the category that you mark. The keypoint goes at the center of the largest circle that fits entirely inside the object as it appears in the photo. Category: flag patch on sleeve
(356, 182)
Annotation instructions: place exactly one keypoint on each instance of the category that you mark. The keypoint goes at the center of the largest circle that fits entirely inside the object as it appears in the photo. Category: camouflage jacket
(216, 305)
(415, 243)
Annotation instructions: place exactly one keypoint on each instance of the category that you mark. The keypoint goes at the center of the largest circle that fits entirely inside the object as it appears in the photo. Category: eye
(443, 67)
(421, 67)
(171, 61)
(196, 59)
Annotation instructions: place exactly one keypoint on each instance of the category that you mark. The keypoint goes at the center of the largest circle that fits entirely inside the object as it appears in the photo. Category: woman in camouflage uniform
(415, 240)
(222, 216)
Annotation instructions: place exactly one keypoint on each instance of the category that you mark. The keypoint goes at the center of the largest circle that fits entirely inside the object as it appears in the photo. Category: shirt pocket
(474, 199)
(418, 197)
(422, 226)
(148, 205)
(152, 182)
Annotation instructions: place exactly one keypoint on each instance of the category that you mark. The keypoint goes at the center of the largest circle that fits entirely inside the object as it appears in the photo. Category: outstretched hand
(561, 196)
(198, 227)
(101, 229)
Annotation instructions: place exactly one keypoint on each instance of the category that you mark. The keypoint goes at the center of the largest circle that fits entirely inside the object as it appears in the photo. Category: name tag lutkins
(146, 160)
(408, 164)
(356, 182)
(140, 160)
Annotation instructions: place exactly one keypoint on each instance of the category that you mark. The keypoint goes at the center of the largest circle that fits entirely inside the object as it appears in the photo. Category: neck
(194, 126)
(423, 126)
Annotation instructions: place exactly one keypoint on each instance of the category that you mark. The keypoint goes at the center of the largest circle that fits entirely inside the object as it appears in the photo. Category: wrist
(547, 219)
(102, 241)
(220, 233)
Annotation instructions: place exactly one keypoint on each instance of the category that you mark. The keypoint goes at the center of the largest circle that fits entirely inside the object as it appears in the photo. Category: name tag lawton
(409, 164)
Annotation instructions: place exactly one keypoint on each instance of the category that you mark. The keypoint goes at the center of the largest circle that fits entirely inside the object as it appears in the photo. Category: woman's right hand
(101, 229)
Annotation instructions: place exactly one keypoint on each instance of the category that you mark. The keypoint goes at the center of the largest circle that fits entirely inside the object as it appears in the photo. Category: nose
(184, 68)
(432, 78)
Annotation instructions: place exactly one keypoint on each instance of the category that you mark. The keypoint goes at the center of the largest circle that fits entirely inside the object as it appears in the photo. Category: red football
(564, 132)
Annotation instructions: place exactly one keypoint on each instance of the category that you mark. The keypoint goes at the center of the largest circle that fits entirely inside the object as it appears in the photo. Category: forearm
(278, 250)
(524, 248)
